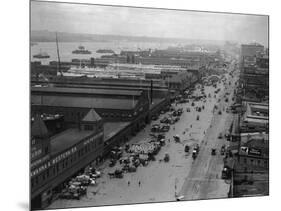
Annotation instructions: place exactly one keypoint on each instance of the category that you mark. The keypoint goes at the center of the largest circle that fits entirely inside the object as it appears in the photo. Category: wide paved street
(181, 176)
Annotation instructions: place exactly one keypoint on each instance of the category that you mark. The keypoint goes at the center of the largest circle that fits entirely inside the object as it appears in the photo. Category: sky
(95, 19)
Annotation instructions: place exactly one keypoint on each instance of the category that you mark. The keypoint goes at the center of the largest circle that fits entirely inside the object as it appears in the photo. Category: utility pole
(58, 53)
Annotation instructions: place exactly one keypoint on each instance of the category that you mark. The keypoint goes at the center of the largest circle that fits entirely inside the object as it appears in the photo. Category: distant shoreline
(47, 36)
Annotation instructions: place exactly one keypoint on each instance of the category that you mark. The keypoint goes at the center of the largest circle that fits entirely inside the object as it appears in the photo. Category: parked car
(166, 157)
(154, 117)
(186, 148)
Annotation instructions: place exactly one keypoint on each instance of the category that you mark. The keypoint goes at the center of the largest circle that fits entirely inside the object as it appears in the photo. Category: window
(32, 183)
(43, 176)
(33, 141)
(46, 150)
(88, 127)
(58, 168)
(36, 180)
(100, 141)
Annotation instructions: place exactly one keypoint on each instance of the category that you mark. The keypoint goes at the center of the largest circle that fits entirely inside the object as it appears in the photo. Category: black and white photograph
(133, 105)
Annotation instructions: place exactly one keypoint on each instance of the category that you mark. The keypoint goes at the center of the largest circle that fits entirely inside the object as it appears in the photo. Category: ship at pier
(81, 50)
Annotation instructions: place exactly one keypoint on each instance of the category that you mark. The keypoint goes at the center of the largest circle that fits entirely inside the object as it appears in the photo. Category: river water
(66, 48)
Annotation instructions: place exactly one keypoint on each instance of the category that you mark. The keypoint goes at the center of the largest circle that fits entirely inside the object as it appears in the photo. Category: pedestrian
(139, 183)
(128, 183)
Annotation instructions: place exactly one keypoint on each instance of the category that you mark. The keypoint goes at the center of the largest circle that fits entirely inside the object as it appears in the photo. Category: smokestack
(151, 90)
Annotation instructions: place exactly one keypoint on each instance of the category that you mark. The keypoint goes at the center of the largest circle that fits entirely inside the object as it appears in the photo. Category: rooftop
(67, 139)
(91, 116)
(38, 127)
(84, 102)
(112, 128)
(256, 112)
(86, 91)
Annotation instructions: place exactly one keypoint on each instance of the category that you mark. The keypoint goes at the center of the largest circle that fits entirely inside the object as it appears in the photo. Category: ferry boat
(105, 51)
(81, 50)
(41, 56)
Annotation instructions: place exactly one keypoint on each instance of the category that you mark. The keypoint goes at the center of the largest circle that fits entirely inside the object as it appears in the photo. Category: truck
(195, 151)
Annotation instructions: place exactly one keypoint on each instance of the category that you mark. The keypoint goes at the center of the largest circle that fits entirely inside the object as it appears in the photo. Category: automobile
(166, 157)
(220, 136)
(223, 150)
(112, 162)
(172, 109)
(155, 128)
(171, 121)
(197, 118)
(92, 182)
(154, 117)
(187, 109)
(197, 148)
(226, 173)
(177, 138)
(165, 128)
(213, 152)
(186, 148)
(194, 154)
(164, 120)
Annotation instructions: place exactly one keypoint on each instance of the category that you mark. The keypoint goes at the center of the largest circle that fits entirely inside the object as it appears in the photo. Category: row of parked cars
(77, 186)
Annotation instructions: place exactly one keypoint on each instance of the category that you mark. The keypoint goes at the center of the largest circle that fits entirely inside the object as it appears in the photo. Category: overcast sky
(95, 19)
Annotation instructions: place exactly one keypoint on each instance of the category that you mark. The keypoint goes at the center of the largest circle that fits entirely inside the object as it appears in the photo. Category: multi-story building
(254, 78)
(251, 50)
(54, 159)
(74, 103)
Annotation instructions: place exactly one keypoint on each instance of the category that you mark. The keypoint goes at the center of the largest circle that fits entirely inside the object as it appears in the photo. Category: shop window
(58, 168)
(48, 173)
(43, 176)
(36, 180)
(46, 150)
(100, 141)
(32, 183)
